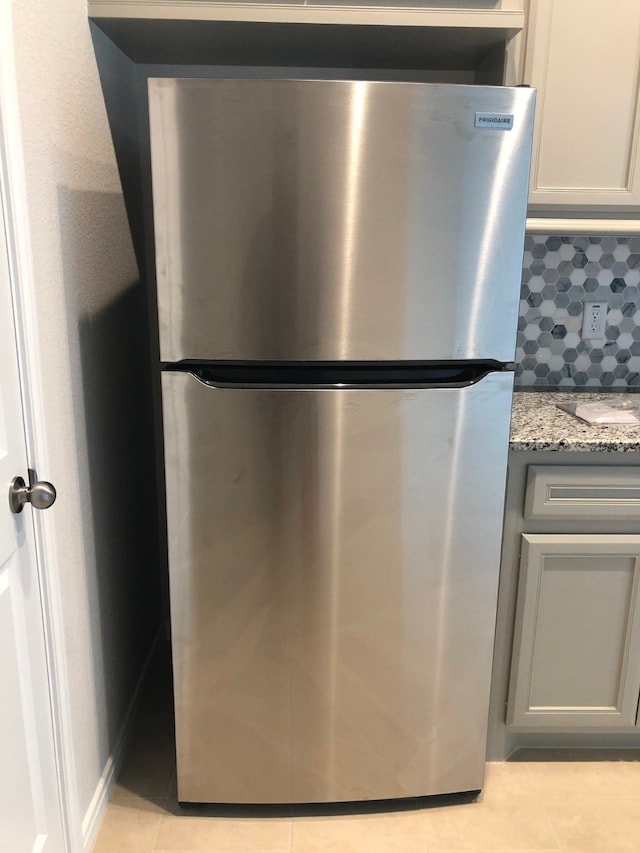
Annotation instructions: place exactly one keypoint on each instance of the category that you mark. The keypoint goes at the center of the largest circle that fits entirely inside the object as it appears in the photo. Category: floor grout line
(156, 834)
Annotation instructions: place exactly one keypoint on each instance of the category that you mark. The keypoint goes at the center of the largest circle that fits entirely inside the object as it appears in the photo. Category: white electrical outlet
(594, 320)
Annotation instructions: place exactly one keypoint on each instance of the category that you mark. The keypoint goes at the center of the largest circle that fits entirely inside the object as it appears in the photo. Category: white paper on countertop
(605, 413)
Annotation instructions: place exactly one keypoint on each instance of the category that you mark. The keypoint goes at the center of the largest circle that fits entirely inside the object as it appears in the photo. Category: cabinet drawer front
(576, 660)
(566, 493)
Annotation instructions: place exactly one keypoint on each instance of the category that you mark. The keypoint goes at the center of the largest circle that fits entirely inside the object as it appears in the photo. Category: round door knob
(41, 495)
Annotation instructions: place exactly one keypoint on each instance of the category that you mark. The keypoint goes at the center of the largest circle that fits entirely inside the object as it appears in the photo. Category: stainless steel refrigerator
(338, 271)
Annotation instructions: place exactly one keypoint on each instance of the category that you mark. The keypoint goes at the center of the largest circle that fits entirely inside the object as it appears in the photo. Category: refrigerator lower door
(334, 564)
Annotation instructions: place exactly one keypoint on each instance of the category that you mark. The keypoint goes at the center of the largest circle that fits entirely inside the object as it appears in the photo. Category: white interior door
(30, 818)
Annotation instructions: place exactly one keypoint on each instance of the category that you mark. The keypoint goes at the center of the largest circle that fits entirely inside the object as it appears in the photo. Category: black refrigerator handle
(340, 375)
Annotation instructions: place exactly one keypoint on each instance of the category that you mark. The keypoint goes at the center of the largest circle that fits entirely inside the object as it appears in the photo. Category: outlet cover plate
(594, 315)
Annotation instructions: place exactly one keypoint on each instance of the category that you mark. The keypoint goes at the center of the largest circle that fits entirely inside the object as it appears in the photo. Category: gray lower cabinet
(566, 667)
(576, 659)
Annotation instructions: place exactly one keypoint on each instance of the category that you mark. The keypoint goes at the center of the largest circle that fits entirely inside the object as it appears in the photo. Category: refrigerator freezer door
(327, 220)
(334, 564)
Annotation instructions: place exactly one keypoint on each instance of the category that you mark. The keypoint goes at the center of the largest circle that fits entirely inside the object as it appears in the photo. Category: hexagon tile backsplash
(559, 275)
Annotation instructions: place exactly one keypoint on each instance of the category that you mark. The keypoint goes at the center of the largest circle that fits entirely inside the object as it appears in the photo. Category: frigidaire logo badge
(495, 121)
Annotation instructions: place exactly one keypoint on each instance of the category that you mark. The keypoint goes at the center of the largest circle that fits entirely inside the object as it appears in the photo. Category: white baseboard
(93, 816)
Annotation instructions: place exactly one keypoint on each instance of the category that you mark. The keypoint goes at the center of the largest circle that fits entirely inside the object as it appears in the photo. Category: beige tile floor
(573, 805)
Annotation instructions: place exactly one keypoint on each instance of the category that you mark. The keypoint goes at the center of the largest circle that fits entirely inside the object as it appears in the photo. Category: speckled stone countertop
(537, 424)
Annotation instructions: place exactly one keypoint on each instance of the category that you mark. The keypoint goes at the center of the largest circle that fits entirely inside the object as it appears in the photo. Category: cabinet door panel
(584, 59)
(577, 653)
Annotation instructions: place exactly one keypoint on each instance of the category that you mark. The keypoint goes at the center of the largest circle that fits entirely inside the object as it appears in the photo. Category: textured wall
(559, 275)
(91, 321)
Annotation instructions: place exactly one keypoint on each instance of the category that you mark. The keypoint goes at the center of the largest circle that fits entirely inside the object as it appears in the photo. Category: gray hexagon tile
(559, 275)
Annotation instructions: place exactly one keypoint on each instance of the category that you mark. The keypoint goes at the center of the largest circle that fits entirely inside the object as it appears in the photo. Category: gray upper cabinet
(576, 659)
(583, 57)
(455, 41)
(464, 13)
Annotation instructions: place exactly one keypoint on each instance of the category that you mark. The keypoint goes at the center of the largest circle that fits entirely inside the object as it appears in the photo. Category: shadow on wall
(109, 349)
